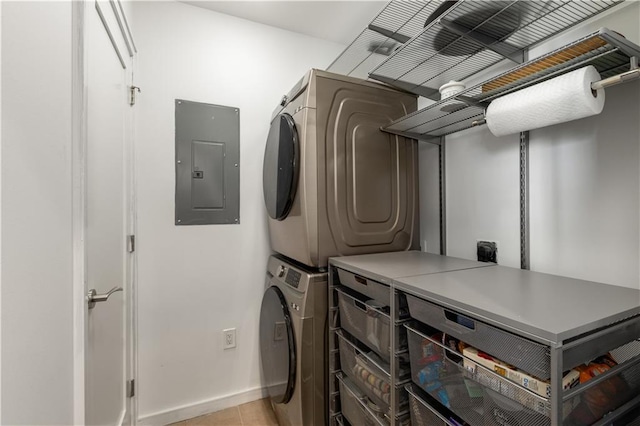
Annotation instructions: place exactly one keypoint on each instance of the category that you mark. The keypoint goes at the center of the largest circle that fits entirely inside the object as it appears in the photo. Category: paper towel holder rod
(624, 77)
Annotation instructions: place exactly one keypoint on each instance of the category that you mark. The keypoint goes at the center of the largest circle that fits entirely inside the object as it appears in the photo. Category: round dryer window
(277, 346)
(280, 168)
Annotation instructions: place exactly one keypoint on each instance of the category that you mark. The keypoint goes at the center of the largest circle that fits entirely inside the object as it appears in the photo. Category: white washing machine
(293, 322)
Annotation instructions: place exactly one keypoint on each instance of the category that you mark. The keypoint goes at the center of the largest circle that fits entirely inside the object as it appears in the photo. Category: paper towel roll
(554, 101)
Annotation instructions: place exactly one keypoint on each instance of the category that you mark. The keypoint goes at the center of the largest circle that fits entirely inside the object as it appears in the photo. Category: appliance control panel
(292, 275)
(293, 278)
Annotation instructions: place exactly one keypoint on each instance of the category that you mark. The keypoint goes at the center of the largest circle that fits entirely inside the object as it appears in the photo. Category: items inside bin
(368, 372)
(483, 389)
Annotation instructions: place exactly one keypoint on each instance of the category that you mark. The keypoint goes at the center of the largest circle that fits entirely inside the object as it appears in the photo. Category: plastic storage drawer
(470, 395)
(422, 414)
(353, 403)
(524, 354)
(373, 289)
(366, 322)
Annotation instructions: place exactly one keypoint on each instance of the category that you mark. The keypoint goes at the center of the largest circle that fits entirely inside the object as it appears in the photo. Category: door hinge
(132, 98)
(131, 243)
(131, 388)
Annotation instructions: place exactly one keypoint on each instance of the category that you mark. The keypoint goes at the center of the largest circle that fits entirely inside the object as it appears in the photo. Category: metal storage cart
(540, 325)
(367, 350)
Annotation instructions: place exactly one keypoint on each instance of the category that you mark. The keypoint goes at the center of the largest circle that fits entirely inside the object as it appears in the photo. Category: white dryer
(293, 322)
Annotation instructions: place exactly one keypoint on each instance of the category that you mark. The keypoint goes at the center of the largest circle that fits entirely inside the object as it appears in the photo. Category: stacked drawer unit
(364, 361)
(479, 390)
(535, 326)
(367, 345)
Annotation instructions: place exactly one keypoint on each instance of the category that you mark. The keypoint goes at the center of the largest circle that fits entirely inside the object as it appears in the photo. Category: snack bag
(605, 396)
(430, 352)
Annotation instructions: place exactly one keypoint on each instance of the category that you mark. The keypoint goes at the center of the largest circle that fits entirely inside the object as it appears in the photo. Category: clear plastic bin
(366, 321)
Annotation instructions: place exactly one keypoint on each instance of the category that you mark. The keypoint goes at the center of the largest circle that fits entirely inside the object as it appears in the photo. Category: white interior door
(106, 218)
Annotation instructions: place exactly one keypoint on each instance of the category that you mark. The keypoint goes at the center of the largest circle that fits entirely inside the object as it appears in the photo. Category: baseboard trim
(201, 408)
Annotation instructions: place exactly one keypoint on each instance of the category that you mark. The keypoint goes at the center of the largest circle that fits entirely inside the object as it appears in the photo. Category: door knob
(93, 297)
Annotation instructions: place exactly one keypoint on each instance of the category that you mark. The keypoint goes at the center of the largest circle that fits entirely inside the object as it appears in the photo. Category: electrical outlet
(229, 338)
(487, 251)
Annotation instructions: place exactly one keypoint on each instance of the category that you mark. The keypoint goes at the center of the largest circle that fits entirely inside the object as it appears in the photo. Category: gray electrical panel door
(207, 164)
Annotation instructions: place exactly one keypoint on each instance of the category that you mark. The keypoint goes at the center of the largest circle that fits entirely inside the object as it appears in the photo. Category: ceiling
(337, 21)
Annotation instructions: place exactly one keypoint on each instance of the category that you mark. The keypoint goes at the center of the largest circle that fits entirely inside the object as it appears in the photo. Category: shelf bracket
(423, 138)
(400, 38)
(625, 77)
(502, 48)
(472, 102)
(424, 91)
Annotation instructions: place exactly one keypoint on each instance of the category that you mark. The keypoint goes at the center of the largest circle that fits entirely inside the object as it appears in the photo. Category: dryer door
(277, 346)
(280, 168)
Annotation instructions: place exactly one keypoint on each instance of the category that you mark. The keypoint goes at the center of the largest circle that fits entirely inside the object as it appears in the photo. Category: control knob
(281, 270)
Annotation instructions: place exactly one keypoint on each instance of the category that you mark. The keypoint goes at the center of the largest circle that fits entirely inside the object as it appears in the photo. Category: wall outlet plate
(487, 251)
(229, 338)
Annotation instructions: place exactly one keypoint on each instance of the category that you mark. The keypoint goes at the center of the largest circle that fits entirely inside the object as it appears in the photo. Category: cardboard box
(540, 387)
(502, 411)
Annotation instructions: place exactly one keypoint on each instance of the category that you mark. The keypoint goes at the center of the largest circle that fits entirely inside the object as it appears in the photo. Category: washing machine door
(280, 168)
(277, 346)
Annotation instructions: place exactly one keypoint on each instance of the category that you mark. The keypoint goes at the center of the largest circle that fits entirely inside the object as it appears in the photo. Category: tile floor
(256, 413)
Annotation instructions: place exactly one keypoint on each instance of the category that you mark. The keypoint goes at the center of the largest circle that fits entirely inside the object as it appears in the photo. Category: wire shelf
(473, 35)
(607, 51)
(398, 22)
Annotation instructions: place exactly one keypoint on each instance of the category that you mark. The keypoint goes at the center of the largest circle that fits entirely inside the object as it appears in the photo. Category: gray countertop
(549, 308)
(385, 267)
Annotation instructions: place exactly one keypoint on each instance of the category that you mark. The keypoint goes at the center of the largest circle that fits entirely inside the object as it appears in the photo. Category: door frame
(78, 161)
(79, 131)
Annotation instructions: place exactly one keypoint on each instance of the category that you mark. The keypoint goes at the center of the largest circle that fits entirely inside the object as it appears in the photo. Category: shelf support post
(393, 364)
(443, 196)
(524, 201)
(556, 386)
(525, 235)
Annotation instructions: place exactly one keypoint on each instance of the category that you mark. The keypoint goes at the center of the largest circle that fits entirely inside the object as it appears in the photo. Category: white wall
(482, 194)
(0, 213)
(585, 192)
(429, 198)
(584, 183)
(194, 281)
(37, 328)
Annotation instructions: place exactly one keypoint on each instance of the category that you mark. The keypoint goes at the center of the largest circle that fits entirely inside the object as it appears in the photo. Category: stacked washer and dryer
(334, 184)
